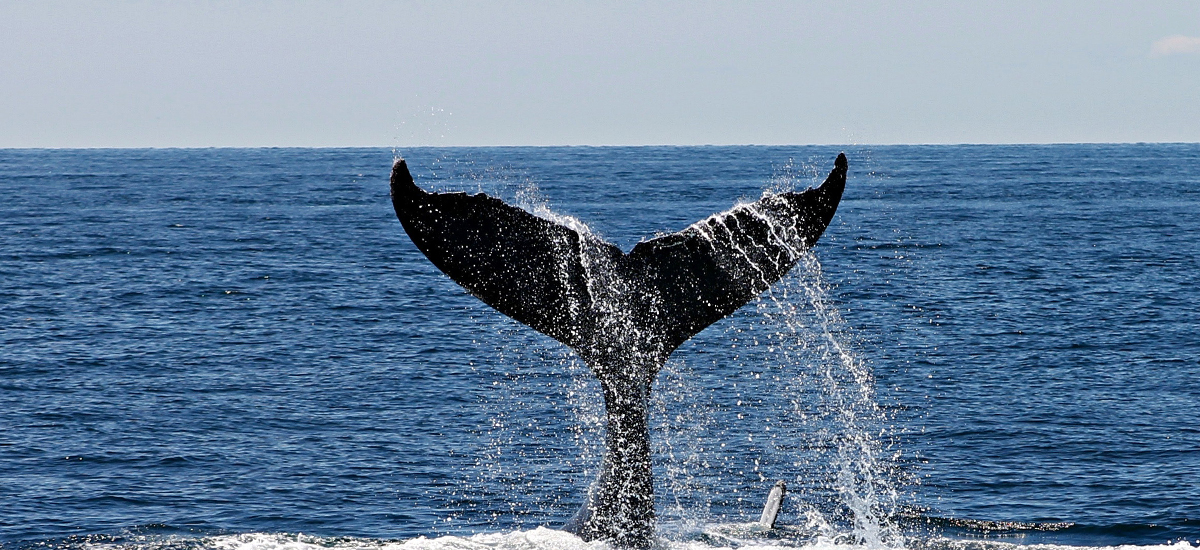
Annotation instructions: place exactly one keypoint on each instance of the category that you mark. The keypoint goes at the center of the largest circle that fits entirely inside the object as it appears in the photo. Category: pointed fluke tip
(841, 163)
(402, 180)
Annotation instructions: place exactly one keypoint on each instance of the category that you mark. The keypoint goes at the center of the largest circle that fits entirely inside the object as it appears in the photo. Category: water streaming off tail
(779, 393)
(775, 392)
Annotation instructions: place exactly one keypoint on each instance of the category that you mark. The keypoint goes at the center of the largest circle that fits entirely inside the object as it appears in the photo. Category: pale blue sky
(365, 73)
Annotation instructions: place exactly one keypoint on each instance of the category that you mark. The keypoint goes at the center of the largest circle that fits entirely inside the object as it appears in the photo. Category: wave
(743, 536)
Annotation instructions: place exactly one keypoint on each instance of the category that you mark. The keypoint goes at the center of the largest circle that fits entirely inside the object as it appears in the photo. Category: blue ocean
(990, 348)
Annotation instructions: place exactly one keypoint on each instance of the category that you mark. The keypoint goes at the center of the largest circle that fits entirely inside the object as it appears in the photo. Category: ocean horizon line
(593, 146)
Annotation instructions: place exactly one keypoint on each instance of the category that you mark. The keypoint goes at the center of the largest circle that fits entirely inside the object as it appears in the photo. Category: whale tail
(622, 313)
(541, 273)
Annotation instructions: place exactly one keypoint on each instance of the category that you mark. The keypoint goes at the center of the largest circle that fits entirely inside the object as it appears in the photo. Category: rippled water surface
(241, 349)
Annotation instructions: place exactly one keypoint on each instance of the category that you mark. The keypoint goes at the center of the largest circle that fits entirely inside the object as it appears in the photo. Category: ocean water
(991, 347)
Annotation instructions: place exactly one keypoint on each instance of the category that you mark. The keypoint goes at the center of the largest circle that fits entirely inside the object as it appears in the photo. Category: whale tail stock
(622, 313)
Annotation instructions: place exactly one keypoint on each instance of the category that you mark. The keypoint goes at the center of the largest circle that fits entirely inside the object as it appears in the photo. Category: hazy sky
(361, 73)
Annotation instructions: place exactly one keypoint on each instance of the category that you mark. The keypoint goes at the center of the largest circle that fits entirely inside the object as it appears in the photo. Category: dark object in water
(622, 313)
(774, 502)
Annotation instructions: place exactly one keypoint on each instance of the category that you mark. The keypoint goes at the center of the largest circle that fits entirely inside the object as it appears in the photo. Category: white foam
(540, 538)
(954, 544)
(710, 537)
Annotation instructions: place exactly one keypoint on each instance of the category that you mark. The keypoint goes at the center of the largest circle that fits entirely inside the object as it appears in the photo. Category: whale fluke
(622, 313)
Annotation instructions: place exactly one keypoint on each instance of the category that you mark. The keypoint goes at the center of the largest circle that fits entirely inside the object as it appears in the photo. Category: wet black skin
(623, 314)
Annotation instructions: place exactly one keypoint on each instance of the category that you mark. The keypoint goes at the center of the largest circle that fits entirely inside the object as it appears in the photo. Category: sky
(190, 73)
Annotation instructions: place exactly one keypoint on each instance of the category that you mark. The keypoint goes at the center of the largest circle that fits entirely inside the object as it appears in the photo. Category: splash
(795, 345)
(802, 408)
(847, 417)
(540, 538)
(832, 403)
